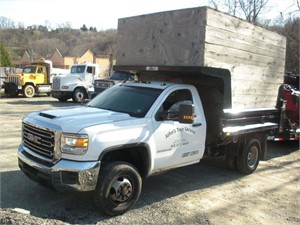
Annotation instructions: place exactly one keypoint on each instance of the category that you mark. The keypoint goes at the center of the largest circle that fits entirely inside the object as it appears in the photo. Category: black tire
(118, 189)
(28, 91)
(248, 161)
(79, 95)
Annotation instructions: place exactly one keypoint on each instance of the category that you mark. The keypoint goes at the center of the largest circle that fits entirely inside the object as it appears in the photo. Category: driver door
(177, 144)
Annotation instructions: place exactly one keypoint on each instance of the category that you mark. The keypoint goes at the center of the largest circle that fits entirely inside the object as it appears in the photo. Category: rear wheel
(118, 189)
(28, 91)
(248, 161)
(79, 95)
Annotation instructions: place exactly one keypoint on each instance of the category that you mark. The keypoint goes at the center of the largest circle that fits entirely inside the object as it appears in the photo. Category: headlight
(74, 144)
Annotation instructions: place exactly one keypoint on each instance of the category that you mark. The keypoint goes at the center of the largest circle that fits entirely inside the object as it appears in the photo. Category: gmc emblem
(33, 138)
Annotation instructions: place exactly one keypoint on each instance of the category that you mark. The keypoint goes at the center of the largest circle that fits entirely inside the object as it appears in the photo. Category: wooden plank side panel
(252, 86)
(227, 38)
(241, 70)
(242, 101)
(236, 56)
(254, 56)
(168, 38)
(254, 94)
(235, 25)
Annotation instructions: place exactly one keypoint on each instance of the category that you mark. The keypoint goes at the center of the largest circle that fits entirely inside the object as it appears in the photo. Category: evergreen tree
(84, 28)
(5, 59)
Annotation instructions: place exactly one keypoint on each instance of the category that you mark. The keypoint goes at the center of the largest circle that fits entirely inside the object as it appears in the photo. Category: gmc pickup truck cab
(135, 129)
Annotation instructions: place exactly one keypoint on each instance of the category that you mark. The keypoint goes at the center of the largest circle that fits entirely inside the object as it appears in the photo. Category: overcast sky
(104, 14)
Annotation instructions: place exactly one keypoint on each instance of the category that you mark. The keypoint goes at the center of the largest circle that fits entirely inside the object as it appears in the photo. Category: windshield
(77, 69)
(121, 76)
(134, 101)
(29, 69)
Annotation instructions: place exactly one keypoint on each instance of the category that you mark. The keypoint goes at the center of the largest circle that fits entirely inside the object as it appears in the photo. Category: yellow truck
(35, 78)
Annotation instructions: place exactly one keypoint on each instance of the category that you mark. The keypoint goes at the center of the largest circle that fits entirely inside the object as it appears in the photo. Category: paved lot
(206, 193)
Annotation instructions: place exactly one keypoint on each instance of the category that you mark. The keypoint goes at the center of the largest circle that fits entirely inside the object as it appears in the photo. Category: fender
(144, 165)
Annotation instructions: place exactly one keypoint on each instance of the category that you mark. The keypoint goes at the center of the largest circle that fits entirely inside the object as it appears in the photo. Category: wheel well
(82, 88)
(261, 139)
(32, 84)
(137, 156)
(242, 142)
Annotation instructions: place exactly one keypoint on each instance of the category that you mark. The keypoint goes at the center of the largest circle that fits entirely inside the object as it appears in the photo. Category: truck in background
(116, 77)
(58, 72)
(288, 106)
(199, 94)
(77, 84)
(35, 78)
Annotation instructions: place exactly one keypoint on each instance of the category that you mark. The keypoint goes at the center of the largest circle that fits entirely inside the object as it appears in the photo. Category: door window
(91, 70)
(172, 103)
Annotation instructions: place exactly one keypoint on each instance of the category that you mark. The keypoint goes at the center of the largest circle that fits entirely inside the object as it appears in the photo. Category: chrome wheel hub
(121, 190)
(252, 156)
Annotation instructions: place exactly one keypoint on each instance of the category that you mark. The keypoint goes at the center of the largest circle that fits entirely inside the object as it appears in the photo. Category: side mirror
(186, 113)
(168, 115)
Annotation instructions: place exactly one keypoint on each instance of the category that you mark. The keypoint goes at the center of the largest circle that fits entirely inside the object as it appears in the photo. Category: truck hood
(70, 77)
(73, 119)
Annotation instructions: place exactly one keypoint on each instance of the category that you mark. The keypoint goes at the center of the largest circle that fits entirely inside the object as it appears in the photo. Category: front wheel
(79, 95)
(248, 161)
(118, 189)
(28, 91)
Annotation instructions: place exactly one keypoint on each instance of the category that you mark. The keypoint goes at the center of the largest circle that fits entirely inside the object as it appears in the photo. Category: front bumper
(64, 175)
(12, 88)
(62, 94)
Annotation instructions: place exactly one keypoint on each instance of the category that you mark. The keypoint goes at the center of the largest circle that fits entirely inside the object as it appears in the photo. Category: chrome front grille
(13, 79)
(101, 85)
(40, 142)
(56, 83)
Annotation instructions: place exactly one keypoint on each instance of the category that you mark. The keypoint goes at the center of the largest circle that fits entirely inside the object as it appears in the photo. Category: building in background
(65, 62)
(24, 60)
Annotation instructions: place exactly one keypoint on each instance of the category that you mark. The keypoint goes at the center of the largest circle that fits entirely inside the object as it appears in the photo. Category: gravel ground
(204, 193)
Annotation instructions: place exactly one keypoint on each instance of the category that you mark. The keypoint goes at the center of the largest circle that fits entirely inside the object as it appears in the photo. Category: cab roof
(151, 84)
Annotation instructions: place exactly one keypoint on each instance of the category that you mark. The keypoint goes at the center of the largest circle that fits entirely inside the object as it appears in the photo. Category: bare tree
(252, 8)
(6, 23)
(215, 4)
(249, 8)
(233, 6)
(291, 30)
(229, 6)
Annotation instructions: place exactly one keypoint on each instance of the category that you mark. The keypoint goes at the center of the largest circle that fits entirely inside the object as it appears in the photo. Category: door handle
(197, 124)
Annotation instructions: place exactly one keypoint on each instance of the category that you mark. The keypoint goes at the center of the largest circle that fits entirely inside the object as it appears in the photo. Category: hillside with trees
(40, 41)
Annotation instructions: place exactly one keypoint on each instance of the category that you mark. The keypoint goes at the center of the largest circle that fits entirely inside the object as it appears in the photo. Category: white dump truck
(77, 84)
(202, 91)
